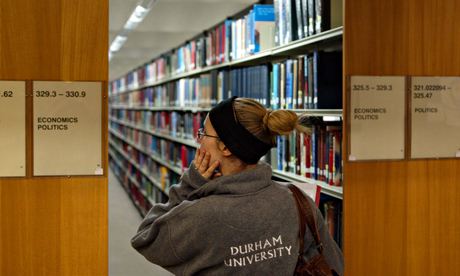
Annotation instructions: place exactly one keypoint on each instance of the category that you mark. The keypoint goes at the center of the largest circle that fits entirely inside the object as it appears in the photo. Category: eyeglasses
(201, 134)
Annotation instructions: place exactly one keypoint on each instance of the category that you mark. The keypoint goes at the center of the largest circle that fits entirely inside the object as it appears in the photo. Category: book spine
(299, 14)
(276, 5)
(315, 79)
(311, 17)
(289, 79)
(323, 15)
(282, 86)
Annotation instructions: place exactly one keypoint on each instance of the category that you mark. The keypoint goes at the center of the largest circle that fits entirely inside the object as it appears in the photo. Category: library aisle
(123, 222)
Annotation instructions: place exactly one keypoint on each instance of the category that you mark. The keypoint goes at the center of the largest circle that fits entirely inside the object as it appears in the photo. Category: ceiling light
(117, 43)
(136, 17)
(139, 13)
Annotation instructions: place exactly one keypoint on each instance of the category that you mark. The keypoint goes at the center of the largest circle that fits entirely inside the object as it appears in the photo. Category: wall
(402, 217)
(54, 225)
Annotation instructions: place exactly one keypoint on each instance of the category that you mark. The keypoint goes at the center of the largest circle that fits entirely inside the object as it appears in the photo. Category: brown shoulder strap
(306, 216)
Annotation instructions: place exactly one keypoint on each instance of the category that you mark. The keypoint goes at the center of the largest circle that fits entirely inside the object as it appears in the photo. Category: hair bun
(281, 122)
(266, 117)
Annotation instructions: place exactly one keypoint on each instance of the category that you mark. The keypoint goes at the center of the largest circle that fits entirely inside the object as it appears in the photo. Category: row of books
(316, 155)
(176, 124)
(262, 28)
(161, 175)
(187, 92)
(175, 154)
(297, 19)
(230, 40)
(233, 39)
(141, 202)
(155, 171)
(203, 91)
(312, 81)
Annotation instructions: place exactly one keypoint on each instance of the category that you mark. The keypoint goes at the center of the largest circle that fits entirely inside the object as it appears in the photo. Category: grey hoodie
(240, 224)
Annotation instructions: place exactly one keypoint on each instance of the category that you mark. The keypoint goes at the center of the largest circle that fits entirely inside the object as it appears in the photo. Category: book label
(377, 117)
(435, 113)
(67, 127)
(12, 128)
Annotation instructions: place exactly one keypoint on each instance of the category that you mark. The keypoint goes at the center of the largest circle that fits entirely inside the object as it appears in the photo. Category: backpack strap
(306, 217)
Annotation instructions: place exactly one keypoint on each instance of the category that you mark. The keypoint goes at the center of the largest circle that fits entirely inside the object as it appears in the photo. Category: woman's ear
(223, 148)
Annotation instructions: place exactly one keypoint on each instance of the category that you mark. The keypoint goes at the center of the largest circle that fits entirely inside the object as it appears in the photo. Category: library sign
(67, 128)
(435, 117)
(12, 128)
(377, 117)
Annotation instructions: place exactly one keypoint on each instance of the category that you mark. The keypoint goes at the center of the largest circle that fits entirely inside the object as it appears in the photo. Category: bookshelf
(135, 103)
(329, 37)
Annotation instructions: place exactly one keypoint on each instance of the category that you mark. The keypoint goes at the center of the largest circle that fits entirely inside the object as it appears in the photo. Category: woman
(227, 217)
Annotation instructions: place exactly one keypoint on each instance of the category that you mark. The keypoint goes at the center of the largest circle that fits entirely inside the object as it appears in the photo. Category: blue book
(265, 89)
(263, 27)
(240, 83)
(275, 102)
(250, 33)
(289, 87)
(280, 150)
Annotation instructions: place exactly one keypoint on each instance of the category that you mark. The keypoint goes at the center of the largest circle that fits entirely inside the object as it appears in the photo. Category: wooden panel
(30, 39)
(54, 225)
(88, 51)
(84, 220)
(402, 218)
(433, 226)
(375, 217)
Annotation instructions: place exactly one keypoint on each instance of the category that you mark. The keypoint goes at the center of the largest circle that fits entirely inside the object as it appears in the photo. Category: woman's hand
(201, 161)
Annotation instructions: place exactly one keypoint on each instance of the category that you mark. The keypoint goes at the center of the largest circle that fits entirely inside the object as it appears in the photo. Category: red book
(183, 154)
(222, 43)
(338, 159)
(193, 55)
(307, 141)
(297, 153)
(330, 175)
(214, 48)
(319, 152)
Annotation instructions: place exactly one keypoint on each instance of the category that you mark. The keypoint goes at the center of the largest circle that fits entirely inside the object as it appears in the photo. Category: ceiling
(169, 23)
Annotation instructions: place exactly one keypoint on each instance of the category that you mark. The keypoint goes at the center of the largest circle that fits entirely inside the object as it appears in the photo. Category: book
(278, 29)
(327, 80)
(275, 78)
(263, 27)
(311, 17)
(299, 18)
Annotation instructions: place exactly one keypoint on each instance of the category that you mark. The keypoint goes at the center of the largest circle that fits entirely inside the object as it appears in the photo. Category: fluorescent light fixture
(139, 13)
(136, 17)
(117, 43)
